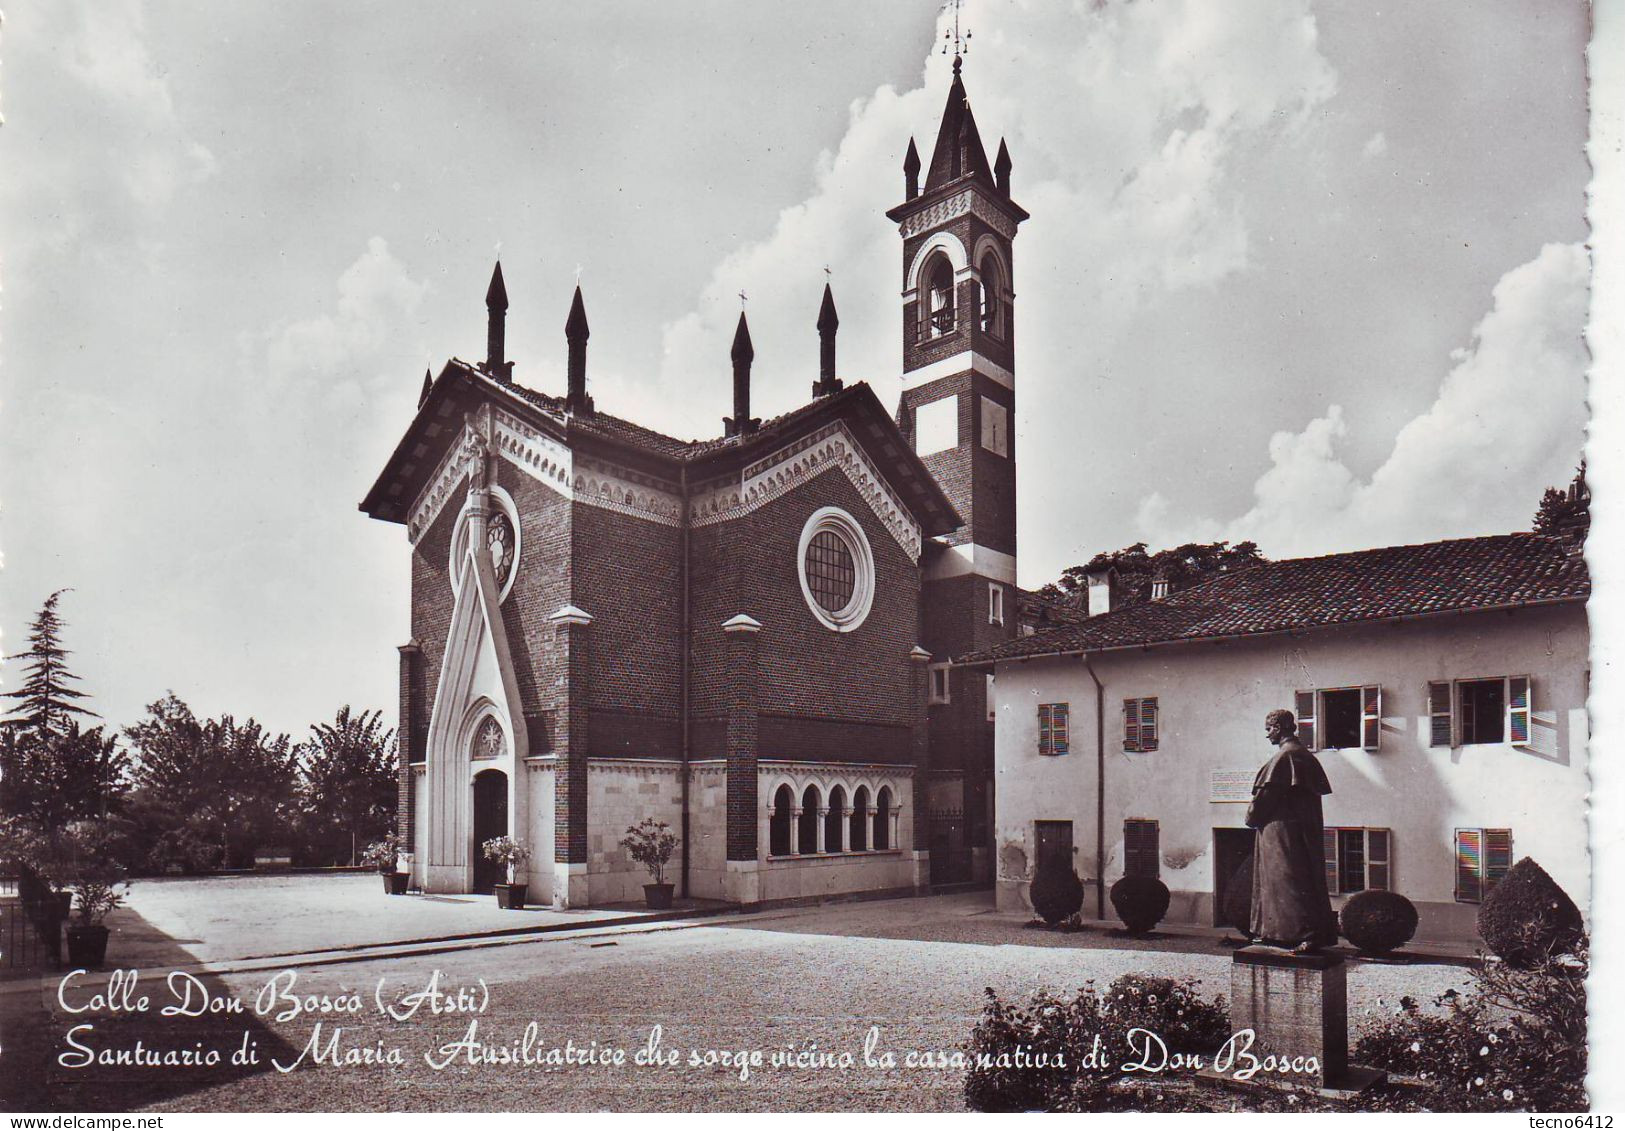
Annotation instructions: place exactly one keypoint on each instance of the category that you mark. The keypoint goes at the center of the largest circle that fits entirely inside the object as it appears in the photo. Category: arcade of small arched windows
(839, 818)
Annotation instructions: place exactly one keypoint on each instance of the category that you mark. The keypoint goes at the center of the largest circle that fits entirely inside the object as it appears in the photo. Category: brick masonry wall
(811, 676)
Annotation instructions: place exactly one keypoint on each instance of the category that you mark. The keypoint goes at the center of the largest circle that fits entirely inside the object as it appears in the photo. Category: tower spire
(742, 354)
(496, 317)
(576, 334)
(428, 383)
(828, 321)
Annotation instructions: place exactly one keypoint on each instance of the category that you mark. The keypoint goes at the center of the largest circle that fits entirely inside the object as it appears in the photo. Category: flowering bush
(507, 851)
(1058, 1054)
(651, 843)
(382, 854)
(1515, 1042)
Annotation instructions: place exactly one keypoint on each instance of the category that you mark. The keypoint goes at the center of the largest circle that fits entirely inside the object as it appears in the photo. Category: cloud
(343, 354)
(1376, 145)
(1131, 193)
(1511, 410)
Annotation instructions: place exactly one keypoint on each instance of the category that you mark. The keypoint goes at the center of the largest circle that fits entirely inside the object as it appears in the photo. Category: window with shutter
(1060, 724)
(1148, 723)
(1046, 734)
(1371, 717)
(1378, 862)
(1329, 846)
(1519, 702)
(1304, 708)
(1469, 865)
(1131, 724)
(1497, 856)
(1141, 848)
(1441, 731)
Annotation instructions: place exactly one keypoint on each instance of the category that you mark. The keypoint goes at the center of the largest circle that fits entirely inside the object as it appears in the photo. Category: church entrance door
(490, 820)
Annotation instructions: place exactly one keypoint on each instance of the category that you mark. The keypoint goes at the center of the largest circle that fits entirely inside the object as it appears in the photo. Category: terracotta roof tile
(1464, 575)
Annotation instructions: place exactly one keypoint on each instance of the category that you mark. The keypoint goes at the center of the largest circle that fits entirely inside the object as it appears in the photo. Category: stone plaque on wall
(1231, 785)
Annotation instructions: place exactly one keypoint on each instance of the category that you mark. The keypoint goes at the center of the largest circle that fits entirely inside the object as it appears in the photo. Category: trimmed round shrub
(1378, 922)
(1238, 897)
(1527, 918)
(1056, 892)
(1140, 902)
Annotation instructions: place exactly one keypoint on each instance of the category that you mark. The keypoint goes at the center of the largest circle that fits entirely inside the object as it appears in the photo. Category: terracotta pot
(87, 946)
(657, 896)
(511, 897)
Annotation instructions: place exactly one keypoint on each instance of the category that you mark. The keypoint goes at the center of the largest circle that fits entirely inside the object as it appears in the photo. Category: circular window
(501, 543)
(489, 741)
(837, 569)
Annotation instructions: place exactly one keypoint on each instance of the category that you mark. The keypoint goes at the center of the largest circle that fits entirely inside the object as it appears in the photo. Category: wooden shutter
(1329, 840)
(1469, 865)
(1440, 730)
(1141, 848)
(1148, 723)
(1304, 708)
(1046, 733)
(1519, 701)
(1371, 717)
(1497, 856)
(1377, 860)
(1059, 726)
(1131, 724)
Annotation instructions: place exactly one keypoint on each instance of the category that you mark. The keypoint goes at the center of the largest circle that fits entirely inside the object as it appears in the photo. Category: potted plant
(384, 856)
(651, 843)
(510, 853)
(87, 938)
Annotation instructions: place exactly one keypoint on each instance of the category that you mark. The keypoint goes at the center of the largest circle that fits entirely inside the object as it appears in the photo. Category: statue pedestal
(1297, 1007)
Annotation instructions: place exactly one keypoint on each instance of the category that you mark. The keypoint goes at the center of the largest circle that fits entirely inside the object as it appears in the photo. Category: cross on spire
(741, 299)
(960, 43)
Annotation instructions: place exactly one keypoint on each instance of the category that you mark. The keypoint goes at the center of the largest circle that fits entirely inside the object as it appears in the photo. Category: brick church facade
(746, 637)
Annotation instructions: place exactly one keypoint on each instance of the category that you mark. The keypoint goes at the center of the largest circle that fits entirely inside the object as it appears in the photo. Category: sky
(1308, 273)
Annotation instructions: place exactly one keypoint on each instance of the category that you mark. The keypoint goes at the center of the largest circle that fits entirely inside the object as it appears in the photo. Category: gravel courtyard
(808, 981)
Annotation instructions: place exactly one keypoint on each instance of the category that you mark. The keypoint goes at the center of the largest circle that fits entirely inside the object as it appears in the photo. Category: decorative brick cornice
(953, 207)
(831, 447)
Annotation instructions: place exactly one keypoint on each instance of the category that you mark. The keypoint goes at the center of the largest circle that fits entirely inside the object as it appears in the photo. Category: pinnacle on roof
(428, 383)
(827, 318)
(742, 349)
(1001, 168)
(496, 295)
(575, 326)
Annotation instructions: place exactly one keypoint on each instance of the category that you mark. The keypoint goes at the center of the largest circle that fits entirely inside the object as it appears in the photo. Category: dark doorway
(950, 857)
(1054, 844)
(490, 820)
(1232, 877)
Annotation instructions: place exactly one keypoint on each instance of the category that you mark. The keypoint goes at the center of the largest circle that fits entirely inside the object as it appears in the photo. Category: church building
(746, 637)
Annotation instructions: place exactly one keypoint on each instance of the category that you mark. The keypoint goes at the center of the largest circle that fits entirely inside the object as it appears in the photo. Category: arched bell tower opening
(958, 411)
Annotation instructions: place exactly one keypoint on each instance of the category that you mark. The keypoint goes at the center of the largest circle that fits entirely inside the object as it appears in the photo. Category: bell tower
(958, 405)
(958, 410)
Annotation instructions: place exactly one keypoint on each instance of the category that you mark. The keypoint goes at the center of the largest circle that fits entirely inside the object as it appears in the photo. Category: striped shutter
(1377, 859)
(1046, 733)
(1519, 701)
(1469, 865)
(1141, 848)
(1371, 717)
(1131, 724)
(1304, 708)
(1497, 856)
(1440, 731)
(1059, 725)
(1148, 723)
(1330, 843)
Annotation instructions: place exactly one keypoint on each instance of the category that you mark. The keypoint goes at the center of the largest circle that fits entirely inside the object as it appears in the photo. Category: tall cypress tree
(47, 698)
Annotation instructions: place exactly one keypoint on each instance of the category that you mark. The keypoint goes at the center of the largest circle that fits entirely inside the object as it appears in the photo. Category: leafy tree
(1559, 508)
(348, 769)
(211, 782)
(1183, 566)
